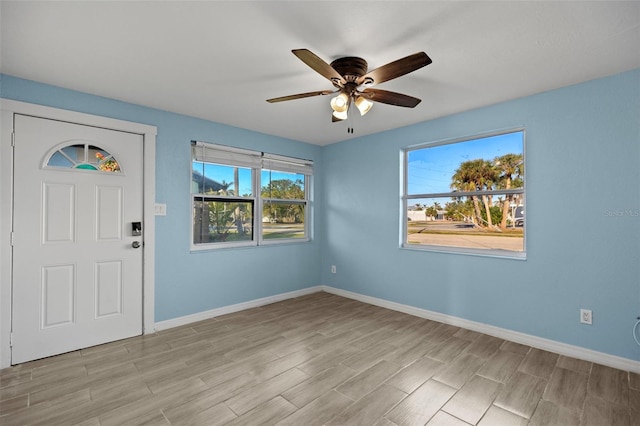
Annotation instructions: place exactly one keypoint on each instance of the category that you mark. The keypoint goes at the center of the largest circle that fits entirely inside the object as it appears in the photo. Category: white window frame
(406, 198)
(257, 162)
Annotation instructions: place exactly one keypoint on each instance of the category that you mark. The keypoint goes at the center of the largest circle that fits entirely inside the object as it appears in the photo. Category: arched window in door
(83, 156)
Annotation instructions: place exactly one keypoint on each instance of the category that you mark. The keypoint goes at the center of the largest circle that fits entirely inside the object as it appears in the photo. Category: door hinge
(11, 238)
(10, 340)
(13, 138)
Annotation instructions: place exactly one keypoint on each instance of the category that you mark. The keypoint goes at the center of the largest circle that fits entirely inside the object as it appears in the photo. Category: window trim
(405, 197)
(257, 161)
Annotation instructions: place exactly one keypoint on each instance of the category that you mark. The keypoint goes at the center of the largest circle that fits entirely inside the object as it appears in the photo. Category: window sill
(502, 254)
(214, 247)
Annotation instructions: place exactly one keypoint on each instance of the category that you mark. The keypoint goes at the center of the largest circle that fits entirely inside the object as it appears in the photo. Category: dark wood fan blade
(300, 96)
(318, 65)
(391, 98)
(396, 69)
(335, 119)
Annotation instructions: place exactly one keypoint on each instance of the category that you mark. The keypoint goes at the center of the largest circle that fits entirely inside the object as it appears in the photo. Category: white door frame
(7, 110)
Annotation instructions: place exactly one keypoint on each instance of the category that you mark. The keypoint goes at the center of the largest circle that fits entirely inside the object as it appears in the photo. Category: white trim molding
(201, 316)
(7, 109)
(502, 333)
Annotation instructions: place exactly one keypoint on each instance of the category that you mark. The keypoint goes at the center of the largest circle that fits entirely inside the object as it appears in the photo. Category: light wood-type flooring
(314, 360)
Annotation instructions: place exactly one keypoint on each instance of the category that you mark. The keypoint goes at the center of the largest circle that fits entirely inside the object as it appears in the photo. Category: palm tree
(476, 175)
(510, 168)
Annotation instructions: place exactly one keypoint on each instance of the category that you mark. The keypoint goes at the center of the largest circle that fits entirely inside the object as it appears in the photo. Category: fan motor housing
(350, 67)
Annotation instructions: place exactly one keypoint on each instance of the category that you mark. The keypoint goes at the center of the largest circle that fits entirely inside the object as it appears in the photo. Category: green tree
(284, 189)
(460, 209)
(432, 211)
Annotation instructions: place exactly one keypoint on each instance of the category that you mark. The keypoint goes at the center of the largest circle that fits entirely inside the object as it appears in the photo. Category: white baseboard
(502, 333)
(200, 316)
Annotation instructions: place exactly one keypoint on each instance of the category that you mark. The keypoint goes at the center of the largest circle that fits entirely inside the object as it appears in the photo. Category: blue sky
(430, 169)
(221, 173)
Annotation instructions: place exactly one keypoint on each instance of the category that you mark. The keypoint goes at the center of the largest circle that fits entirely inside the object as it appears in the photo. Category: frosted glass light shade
(363, 105)
(340, 103)
(340, 115)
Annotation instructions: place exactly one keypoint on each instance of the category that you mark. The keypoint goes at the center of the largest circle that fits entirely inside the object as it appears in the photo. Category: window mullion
(257, 182)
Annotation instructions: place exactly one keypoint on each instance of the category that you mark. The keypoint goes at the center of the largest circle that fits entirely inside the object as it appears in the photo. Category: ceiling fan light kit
(363, 105)
(351, 77)
(340, 103)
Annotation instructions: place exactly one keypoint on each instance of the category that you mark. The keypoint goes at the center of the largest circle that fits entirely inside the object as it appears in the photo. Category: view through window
(242, 197)
(467, 195)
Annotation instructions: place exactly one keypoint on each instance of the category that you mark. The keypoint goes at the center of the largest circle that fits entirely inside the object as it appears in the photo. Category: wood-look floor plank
(449, 349)
(501, 365)
(460, 370)
(634, 381)
(280, 365)
(362, 383)
(266, 414)
(567, 389)
(484, 346)
(370, 408)
(634, 403)
(609, 384)
(550, 414)
(601, 412)
(497, 416)
(422, 404)
(473, 400)
(14, 404)
(366, 358)
(410, 352)
(262, 392)
(412, 376)
(319, 411)
(539, 363)
(521, 394)
(445, 419)
(181, 412)
(573, 364)
(326, 360)
(316, 386)
(227, 372)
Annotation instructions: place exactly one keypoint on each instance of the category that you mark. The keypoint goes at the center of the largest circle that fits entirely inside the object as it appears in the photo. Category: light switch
(161, 209)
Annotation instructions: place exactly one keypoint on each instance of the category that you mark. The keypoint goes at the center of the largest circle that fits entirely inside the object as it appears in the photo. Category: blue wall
(188, 283)
(582, 157)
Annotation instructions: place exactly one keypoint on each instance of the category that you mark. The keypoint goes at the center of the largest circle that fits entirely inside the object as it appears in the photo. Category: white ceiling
(220, 61)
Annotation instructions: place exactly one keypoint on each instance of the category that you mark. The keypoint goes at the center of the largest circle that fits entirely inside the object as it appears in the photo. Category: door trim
(7, 110)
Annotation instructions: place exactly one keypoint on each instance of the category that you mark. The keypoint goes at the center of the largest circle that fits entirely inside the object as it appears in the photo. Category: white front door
(77, 262)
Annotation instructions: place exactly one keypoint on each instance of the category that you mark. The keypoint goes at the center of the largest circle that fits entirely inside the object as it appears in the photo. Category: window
(284, 199)
(229, 210)
(83, 156)
(466, 195)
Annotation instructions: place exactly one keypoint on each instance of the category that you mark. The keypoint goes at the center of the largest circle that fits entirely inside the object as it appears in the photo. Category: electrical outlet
(586, 316)
(333, 269)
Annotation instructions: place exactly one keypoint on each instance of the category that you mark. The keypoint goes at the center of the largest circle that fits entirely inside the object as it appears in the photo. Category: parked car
(519, 216)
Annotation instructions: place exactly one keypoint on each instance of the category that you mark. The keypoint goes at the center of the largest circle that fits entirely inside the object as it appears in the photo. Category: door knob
(135, 244)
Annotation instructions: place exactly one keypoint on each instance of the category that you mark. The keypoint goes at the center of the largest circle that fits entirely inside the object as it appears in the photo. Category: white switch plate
(160, 209)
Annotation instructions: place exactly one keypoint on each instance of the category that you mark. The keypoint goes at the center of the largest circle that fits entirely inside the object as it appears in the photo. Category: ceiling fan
(353, 82)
